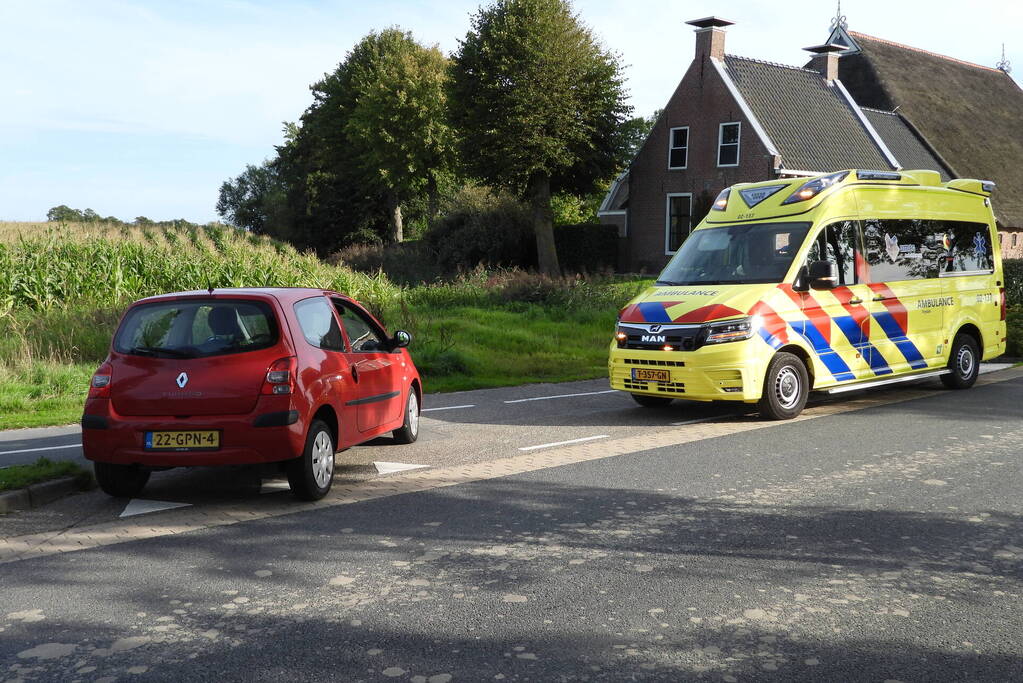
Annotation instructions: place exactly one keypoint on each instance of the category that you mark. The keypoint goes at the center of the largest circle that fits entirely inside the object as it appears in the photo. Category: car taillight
(280, 377)
(99, 387)
(1001, 293)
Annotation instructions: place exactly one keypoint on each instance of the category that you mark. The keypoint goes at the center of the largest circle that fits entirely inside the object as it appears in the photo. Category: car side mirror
(822, 275)
(401, 339)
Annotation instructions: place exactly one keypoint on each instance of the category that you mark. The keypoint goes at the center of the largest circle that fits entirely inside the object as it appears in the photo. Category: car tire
(652, 401)
(409, 430)
(786, 387)
(964, 363)
(120, 481)
(311, 475)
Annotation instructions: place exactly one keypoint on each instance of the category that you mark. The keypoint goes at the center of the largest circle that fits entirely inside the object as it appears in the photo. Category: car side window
(319, 327)
(839, 243)
(363, 335)
(965, 247)
(903, 249)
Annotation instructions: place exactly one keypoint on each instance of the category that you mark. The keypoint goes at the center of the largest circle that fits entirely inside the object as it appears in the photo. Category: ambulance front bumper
(731, 371)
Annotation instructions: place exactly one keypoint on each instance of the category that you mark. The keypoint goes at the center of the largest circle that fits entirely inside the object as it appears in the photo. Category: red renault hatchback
(246, 376)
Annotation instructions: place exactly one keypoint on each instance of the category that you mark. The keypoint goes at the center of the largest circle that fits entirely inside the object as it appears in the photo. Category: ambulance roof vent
(878, 175)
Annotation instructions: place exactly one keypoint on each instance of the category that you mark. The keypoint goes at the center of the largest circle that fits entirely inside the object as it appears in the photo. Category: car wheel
(652, 401)
(786, 387)
(964, 362)
(120, 481)
(311, 475)
(409, 430)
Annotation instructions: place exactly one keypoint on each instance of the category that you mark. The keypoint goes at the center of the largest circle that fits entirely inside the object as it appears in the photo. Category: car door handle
(355, 374)
(855, 302)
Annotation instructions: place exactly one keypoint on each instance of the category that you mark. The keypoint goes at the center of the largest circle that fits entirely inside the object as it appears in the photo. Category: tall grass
(64, 287)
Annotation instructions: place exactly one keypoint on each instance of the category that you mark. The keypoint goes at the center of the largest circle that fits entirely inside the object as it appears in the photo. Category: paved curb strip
(37, 494)
(184, 520)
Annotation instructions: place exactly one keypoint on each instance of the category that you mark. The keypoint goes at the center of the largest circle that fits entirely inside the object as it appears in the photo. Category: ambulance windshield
(735, 254)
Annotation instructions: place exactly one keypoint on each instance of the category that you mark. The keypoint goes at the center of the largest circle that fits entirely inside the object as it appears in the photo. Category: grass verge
(20, 476)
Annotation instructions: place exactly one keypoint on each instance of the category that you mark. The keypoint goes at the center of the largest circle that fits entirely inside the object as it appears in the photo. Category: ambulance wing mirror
(822, 275)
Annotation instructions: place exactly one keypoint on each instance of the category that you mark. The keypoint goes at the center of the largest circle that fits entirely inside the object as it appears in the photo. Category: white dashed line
(562, 443)
(544, 398)
(48, 448)
(427, 410)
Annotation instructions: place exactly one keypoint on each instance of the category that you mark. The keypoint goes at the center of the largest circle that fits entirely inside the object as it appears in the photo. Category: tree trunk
(543, 224)
(432, 199)
(394, 207)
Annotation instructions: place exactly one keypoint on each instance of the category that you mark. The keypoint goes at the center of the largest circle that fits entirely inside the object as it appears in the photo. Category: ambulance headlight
(731, 330)
(812, 188)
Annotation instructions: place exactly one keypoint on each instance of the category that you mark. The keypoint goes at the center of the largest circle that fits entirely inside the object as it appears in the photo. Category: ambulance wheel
(652, 401)
(964, 362)
(786, 387)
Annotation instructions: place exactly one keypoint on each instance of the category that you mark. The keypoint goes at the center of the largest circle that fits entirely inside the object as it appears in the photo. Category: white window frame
(672, 148)
(738, 143)
(667, 218)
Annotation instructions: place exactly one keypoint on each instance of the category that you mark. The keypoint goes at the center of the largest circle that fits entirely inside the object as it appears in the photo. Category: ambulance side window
(903, 249)
(965, 247)
(838, 243)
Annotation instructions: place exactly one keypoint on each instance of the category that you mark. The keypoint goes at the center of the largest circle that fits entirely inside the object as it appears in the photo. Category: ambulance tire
(964, 362)
(652, 401)
(786, 387)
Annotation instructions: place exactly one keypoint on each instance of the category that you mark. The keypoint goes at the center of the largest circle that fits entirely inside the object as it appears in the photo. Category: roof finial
(1004, 64)
(839, 21)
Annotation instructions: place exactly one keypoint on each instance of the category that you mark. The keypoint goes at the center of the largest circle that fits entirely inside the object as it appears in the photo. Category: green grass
(20, 476)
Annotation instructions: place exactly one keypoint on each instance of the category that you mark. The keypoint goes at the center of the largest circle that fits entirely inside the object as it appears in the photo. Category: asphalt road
(876, 544)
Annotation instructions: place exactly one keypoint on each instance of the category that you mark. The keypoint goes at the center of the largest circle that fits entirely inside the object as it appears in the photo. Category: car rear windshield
(736, 254)
(197, 329)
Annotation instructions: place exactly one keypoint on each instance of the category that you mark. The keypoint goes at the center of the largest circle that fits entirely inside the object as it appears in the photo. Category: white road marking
(545, 398)
(562, 443)
(427, 410)
(993, 367)
(48, 448)
(138, 506)
(274, 486)
(701, 419)
(388, 467)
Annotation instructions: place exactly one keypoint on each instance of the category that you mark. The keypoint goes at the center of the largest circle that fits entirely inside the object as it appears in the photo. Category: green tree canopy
(539, 104)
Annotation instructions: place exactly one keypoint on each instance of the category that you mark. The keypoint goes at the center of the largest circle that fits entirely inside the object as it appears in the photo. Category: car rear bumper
(113, 438)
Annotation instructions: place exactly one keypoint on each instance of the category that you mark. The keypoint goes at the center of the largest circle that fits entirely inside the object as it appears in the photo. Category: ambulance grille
(662, 387)
(660, 363)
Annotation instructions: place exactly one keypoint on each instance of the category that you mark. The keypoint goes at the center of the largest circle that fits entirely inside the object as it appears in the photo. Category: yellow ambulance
(832, 283)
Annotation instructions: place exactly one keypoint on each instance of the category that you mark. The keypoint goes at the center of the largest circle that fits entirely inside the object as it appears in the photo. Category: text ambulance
(833, 283)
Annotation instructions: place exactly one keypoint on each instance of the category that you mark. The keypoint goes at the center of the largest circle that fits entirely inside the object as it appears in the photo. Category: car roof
(279, 293)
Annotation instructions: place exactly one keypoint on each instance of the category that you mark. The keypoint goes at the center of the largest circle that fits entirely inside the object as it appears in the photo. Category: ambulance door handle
(880, 298)
(855, 302)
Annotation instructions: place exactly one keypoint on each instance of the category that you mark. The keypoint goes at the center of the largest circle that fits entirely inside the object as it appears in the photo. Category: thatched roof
(971, 115)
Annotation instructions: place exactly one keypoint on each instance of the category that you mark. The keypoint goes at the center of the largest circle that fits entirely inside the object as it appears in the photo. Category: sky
(144, 108)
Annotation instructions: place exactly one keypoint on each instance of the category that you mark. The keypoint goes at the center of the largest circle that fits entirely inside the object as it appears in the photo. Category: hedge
(586, 248)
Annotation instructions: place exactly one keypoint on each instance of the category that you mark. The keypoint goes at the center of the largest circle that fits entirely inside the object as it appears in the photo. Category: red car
(245, 376)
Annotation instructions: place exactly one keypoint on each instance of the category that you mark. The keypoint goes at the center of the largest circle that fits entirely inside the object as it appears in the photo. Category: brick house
(734, 119)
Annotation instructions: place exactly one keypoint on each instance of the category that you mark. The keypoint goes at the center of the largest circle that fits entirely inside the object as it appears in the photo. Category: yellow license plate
(206, 440)
(645, 375)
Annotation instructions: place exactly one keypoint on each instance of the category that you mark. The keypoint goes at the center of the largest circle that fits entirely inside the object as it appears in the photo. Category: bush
(1014, 331)
(480, 227)
(405, 263)
(588, 248)
(1013, 271)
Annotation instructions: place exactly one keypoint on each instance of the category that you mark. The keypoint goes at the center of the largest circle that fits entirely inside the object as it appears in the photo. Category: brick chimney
(710, 37)
(825, 59)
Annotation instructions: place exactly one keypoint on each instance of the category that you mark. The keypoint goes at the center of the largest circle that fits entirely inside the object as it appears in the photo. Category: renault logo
(655, 328)
(182, 380)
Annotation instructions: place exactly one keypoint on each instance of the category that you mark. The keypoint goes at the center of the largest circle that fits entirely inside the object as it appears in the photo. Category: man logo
(658, 338)
(182, 380)
(655, 328)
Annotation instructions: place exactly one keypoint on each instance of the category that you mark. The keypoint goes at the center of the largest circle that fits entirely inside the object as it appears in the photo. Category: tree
(398, 125)
(539, 106)
(64, 213)
(254, 200)
(636, 130)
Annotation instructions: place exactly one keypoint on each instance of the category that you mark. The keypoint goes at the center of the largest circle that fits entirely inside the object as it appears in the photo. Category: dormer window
(678, 147)
(728, 144)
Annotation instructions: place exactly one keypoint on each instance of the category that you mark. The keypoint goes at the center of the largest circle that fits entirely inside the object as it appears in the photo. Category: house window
(678, 147)
(1014, 236)
(678, 221)
(728, 144)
